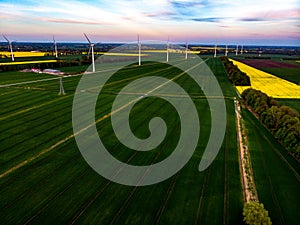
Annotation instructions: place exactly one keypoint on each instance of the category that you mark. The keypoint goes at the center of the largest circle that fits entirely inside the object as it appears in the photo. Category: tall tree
(255, 214)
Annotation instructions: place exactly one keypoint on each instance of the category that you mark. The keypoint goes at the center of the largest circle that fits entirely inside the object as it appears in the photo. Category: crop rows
(276, 173)
(59, 187)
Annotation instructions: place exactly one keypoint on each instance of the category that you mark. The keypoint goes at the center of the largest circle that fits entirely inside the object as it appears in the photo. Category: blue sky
(265, 22)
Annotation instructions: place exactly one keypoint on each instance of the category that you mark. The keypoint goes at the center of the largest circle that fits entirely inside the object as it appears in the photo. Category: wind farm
(149, 113)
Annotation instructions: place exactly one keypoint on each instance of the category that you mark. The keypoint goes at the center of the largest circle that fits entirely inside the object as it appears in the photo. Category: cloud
(159, 14)
(210, 19)
(226, 26)
(70, 21)
(188, 4)
(252, 19)
(155, 17)
(273, 15)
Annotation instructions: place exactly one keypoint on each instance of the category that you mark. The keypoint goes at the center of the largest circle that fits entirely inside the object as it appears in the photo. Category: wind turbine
(91, 48)
(55, 47)
(237, 50)
(242, 49)
(215, 55)
(259, 51)
(139, 46)
(226, 51)
(10, 47)
(168, 50)
(186, 49)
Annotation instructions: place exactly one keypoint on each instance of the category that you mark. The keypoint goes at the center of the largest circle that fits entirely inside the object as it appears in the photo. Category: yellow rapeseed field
(271, 85)
(23, 54)
(27, 62)
(181, 51)
(115, 54)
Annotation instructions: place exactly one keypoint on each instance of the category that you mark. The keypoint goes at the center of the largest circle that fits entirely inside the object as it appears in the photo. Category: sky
(252, 22)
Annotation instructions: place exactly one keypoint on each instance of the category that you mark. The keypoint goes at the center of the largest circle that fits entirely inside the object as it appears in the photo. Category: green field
(276, 173)
(17, 77)
(56, 185)
(290, 74)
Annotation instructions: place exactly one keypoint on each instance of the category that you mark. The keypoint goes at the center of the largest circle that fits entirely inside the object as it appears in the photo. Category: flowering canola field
(23, 54)
(268, 83)
(27, 62)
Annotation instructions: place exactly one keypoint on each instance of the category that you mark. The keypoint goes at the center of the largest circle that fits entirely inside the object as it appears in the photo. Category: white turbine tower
(91, 48)
(237, 50)
(55, 47)
(215, 55)
(140, 47)
(259, 52)
(10, 47)
(186, 49)
(242, 49)
(168, 50)
(61, 87)
(226, 51)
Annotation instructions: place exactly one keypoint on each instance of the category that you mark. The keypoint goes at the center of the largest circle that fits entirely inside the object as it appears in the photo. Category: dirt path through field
(249, 189)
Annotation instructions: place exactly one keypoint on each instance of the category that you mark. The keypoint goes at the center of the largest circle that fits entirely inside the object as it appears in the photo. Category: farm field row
(289, 74)
(287, 69)
(267, 83)
(276, 173)
(24, 54)
(27, 62)
(17, 77)
(59, 187)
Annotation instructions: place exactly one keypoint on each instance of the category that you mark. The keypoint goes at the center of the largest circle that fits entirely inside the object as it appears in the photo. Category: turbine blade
(5, 38)
(87, 38)
(89, 50)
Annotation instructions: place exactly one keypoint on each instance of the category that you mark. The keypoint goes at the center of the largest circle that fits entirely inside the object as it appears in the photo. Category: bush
(255, 214)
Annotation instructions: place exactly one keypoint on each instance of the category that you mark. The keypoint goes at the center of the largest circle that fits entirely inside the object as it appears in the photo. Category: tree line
(282, 121)
(83, 60)
(237, 77)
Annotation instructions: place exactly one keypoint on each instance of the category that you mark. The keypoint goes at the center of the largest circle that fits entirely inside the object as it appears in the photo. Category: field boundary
(248, 184)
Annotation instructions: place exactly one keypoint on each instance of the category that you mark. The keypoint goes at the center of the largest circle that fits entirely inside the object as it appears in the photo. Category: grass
(276, 173)
(27, 62)
(59, 187)
(290, 74)
(73, 69)
(16, 77)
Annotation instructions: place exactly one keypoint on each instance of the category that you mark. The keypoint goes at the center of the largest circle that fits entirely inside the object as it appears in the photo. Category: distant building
(36, 70)
(53, 72)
